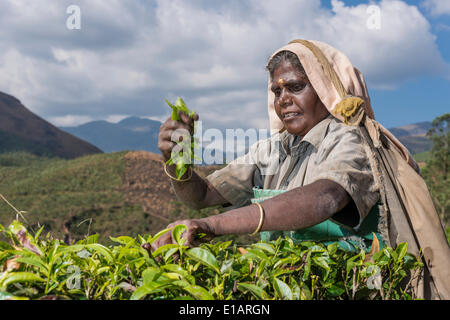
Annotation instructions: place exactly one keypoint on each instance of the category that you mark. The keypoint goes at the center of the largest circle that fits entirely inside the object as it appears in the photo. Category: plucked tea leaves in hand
(183, 157)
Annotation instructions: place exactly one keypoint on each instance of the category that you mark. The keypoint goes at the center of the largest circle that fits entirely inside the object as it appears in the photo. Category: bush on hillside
(40, 267)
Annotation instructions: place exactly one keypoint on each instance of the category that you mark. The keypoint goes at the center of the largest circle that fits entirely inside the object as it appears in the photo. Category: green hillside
(108, 194)
(66, 194)
(422, 156)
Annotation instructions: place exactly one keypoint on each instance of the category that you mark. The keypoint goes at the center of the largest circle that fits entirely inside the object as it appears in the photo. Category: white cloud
(402, 49)
(437, 7)
(115, 118)
(158, 118)
(442, 27)
(129, 56)
(69, 120)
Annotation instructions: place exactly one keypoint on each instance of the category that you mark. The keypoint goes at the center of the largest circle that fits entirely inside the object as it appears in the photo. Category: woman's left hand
(194, 227)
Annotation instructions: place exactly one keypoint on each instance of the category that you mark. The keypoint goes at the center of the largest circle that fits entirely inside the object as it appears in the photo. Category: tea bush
(40, 267)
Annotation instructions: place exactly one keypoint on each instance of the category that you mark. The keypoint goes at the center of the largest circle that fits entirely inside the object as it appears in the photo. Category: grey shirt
(331, 150)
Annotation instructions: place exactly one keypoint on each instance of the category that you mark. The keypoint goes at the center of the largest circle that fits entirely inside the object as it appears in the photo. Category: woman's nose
(285, 98)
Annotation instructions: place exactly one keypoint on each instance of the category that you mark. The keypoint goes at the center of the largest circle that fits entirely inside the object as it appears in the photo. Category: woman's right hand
(168, 128)
(194, 227)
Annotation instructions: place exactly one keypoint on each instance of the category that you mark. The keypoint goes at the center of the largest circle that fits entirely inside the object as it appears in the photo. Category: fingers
(170, 132)
(174, 125)
(166, 146)
(173, 135)
(162, 241)
(193, 228)
(185, 118)
(186, 123)
(190, 238)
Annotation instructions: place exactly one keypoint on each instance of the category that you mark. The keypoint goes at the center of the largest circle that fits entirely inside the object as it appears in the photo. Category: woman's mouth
(290, 115)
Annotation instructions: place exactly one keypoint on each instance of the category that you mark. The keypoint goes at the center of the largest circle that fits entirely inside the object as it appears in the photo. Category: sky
(126, 57)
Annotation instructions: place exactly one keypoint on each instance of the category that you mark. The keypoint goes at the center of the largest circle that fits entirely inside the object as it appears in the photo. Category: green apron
(328, 231)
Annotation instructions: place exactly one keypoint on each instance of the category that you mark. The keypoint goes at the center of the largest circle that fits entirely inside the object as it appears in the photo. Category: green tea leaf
(164, 248)
(336, 289)
(175, 268)
(282, 289)
(181, 105)
(256, 254)
(332, 248)
(158, 235)
(150, 274)
(226, 266)
(177, 232)
(8, 296)
(16, 226)
(307, 266)
(91, 239)
(123, 240)
(254, 289)
(38, 233)
(174, 111)
(99, 271)
(401, 251)
(170, 252)
(305, 292)
(321, 262)
(195, 291)
(5, 246)
(34, 261)
(264, 246)
(317, 248)
(15, 277)
(205, 257)
(102, 250)
(145, 290)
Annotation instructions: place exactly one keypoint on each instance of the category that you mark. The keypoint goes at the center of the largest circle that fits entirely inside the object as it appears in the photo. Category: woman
(340, 175)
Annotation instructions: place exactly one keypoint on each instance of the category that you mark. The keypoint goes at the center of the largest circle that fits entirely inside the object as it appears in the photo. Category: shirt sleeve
(235, 181)
(342, 158)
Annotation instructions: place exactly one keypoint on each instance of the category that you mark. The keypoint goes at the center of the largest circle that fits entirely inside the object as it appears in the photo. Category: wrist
(208, 224)
(171, 172)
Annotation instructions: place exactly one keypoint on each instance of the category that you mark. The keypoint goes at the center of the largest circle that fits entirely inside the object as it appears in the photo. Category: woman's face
(296, 102)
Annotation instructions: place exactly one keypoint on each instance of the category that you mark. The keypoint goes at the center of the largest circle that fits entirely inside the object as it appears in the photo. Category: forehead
(287, 72)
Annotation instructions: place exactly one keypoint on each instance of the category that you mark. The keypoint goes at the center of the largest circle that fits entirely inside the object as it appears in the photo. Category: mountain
(413, 136)
(132, 133)
(135, 133)
(22, 130)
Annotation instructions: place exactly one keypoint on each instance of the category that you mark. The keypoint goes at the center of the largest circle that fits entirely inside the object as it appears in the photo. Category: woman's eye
(297, 87)
(277, 92)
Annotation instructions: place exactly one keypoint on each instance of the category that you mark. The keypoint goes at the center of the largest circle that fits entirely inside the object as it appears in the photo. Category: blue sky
(424, 97)
(129, 56)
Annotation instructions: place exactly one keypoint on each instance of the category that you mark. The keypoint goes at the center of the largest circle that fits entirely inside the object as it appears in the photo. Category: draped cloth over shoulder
(408, 213)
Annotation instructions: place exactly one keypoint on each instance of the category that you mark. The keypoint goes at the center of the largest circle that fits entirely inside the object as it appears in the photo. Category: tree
(437, 166)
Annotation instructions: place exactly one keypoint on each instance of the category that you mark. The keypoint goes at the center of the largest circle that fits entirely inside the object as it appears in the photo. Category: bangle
(261, 219)
(173, 178)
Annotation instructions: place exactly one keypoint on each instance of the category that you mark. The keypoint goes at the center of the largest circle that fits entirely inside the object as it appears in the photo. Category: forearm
(197, 192)
(299, 208)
